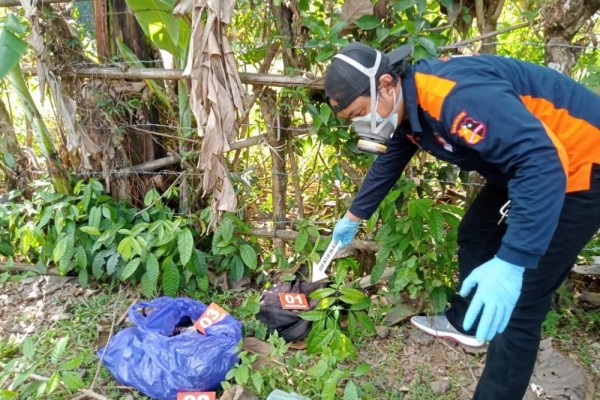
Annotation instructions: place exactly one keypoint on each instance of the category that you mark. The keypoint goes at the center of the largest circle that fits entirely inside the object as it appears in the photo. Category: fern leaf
(152, 267)
(185, 245)
(170, 279)
(59, 349)
(130, 268)
(248, 256)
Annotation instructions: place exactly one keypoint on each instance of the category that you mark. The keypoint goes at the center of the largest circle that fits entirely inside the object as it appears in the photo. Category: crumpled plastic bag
(149, 358)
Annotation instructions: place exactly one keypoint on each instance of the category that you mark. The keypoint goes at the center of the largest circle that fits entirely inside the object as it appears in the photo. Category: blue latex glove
(344, 231)
(498, 288)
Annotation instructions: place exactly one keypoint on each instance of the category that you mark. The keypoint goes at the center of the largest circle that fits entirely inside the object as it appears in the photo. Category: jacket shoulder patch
(469, 129)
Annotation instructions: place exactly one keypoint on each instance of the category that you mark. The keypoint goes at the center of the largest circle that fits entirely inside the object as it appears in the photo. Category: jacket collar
(409, 90)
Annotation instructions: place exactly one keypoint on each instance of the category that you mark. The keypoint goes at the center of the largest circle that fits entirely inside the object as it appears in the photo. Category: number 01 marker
(293, 301)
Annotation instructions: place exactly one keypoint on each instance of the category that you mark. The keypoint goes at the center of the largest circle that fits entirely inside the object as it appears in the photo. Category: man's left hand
(498, 288)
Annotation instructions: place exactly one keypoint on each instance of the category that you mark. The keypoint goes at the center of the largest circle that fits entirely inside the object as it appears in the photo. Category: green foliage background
(154, 248)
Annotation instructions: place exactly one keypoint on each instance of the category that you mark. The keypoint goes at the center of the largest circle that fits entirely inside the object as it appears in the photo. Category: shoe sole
(448, 335)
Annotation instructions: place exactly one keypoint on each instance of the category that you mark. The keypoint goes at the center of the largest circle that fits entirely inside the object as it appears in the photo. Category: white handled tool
(318, 270)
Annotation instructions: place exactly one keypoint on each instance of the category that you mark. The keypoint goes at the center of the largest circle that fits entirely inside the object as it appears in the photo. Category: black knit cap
(344, 83)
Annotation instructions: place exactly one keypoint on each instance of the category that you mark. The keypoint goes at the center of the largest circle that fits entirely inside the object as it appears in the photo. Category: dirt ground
(401, 356)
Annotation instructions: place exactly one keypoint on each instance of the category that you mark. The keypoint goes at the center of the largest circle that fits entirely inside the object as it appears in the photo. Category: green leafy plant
(418, 238)
(230, 252)
(305, 251)
(90, 234)
(336, 303)
(247, 312)
(16, 375)
(319, 376)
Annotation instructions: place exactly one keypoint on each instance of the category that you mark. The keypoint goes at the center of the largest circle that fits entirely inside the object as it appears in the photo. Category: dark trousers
(511, 355)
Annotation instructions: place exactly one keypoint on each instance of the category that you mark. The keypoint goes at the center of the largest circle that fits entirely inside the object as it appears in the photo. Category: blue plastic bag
(149, 358)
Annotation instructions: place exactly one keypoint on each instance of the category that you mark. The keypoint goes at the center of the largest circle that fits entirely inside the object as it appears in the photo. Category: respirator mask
(374, 131)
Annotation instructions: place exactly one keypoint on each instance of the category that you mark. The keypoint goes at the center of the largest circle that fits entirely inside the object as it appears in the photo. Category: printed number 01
(291, 299)
(194, 397)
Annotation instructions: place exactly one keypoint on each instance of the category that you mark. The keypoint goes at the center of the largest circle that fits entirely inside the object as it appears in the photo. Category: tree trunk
(561, 21)
(100, 8)
(487, 13)
(276, 137)
(16, 167)
(291, 34)
(114, 24)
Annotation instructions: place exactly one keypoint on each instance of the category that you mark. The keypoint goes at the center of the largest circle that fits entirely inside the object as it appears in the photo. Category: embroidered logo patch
(470, 130)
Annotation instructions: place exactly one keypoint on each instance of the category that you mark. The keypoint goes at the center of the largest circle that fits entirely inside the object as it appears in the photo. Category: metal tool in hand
(318, 270)
(504, 211)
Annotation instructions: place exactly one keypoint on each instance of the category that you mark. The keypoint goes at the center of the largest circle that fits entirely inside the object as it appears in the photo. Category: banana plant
(12, 49)
(171, 34)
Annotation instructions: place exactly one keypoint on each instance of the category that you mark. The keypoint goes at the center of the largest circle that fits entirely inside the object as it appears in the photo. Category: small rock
(555, 376)
(421, 337)
(6, 300)
(591, 298)
(440, 387)
(382, 331)
(238, 286)
(237, 392)
(281, 395)
(593, 269)
(61, 317)
(391, 299)
(400, 313)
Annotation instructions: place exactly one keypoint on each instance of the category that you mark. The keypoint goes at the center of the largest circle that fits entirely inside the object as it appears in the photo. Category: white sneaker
(439, 326)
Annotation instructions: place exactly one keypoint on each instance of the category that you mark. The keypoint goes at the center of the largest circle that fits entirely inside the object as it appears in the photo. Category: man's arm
(381, 177)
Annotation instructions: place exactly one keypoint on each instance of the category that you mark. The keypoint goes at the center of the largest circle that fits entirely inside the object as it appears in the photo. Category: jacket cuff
(517, 257)
(359, 214)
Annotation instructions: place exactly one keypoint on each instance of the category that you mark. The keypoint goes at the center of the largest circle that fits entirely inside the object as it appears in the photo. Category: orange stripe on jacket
(432, 90)
(577, 137)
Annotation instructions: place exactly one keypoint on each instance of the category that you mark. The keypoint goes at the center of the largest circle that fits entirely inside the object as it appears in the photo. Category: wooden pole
(17, 3)
(276, 141)
(152, 165)
(289, 235)
(101, 24)
(295, 178)
(176, 74)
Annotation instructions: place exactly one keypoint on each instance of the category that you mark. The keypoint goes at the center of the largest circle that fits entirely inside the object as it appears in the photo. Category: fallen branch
(24, 267)
(365, 281)
(151, 165)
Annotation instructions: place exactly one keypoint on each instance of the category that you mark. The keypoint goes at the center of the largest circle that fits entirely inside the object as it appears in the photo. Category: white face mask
(379, 120)
(373, 130)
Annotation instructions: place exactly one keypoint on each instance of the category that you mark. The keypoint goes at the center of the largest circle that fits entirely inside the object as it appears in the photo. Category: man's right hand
(344, 231)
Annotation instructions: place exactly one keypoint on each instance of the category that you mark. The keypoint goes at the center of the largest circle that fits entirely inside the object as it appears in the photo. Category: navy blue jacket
(521, 126)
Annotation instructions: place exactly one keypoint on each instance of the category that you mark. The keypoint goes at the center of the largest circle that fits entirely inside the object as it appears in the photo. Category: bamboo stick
(287, 234)
(151, 165)
(176, 74)
(17, 3)
(295, 178)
